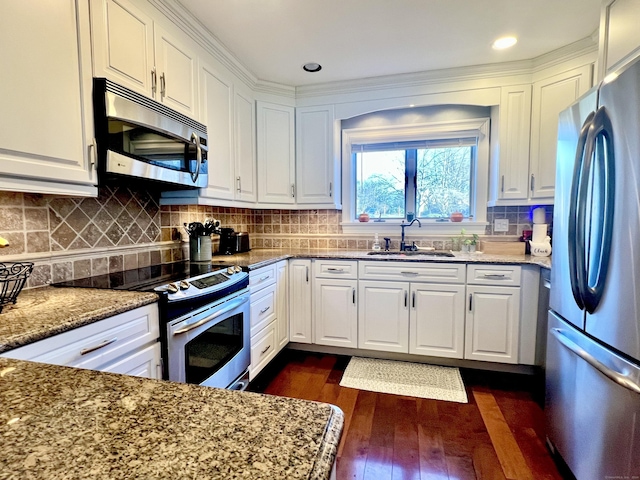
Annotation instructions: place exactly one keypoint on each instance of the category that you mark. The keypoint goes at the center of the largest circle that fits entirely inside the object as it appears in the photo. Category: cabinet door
(619, 33)
(245, 141)
(316, 166)
(436, 320)
(276, 153)
(46, 119)
(383, 316)
(123, 44)
(144, 363)
(282, 304)
(300, 301)
(493, 322)
(216, 100)
(550, 97)
(177, 71)
(514, 130)
(335, 306)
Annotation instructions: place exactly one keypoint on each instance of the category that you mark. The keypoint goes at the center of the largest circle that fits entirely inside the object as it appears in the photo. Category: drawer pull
(262, 279)
(495, 275)
(84, 351)
(333, 269)
(265, 350)
(413, 274)
(264, 310)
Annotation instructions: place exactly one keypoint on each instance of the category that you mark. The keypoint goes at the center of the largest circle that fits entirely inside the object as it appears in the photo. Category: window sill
(428, 228)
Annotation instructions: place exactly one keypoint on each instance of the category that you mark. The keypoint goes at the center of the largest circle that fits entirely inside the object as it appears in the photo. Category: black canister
(227, 242)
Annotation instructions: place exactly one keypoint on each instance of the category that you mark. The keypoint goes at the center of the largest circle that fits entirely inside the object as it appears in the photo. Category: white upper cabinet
(317, 166)
(276, 153)
(550, 96)
(46, 120)
(245, 145)
(619, 34)
(176, 71)
(132, 49)
(515, 126)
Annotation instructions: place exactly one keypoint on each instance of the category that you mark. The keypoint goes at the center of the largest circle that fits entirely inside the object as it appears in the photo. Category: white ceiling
(367, 38)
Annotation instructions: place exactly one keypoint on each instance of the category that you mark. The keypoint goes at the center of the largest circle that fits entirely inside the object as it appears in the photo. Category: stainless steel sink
(426, 253)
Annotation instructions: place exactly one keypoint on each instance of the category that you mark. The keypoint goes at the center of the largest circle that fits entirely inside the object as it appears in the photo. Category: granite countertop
(44, 312)
(261, 257)
(60, 422)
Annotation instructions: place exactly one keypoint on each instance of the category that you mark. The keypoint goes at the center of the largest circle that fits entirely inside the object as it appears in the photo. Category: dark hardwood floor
(497, 435)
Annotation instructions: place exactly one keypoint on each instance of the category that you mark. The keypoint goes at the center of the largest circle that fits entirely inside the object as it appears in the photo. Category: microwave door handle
(196, 139)
(574, 211)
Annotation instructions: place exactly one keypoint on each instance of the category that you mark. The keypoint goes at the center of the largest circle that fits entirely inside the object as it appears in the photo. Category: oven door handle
(232, 305)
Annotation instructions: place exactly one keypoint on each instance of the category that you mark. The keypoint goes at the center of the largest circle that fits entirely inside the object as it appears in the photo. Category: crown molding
(450, 75)
(192, 26)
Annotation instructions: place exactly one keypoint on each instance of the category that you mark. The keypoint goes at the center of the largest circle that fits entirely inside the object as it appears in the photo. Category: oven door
(211, 346)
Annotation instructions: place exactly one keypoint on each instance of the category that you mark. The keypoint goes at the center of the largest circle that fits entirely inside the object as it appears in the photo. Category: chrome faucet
(403, 245)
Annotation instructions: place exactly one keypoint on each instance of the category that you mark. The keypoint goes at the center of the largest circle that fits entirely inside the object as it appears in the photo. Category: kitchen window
(423, 170)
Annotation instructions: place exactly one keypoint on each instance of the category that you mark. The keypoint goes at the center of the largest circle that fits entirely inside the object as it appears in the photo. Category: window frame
(478, 128)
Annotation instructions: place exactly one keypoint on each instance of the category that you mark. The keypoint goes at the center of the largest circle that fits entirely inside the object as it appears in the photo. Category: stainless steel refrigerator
(593, 343)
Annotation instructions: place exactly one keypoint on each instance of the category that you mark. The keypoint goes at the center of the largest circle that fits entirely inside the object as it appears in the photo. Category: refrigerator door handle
(600, 140)
(575, 210)
(618, 377)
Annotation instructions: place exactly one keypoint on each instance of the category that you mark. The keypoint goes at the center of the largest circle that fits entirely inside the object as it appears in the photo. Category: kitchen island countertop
(60, 422)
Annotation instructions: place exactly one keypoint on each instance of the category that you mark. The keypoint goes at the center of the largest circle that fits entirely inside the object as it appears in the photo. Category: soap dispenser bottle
(376, 243)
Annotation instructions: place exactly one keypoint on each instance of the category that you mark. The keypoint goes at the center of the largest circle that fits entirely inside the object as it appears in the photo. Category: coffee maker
(227, 242)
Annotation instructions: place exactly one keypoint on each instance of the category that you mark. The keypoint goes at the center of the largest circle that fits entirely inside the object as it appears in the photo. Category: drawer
(507, 275)
(97, 344)
(262, 277)
(413, 271)
(263, 308)
(144, 363)
(263, 349)
(336, 269)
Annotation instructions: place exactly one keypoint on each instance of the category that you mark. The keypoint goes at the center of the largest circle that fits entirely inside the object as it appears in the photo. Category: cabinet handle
(494, 275)
(406, 298)
(307, 274)
(533, 181)
(262, 279)
(331, 189)
(92, 155)
(413, 274)
(84, 351)
(238, 189)
(163, 85)
(413, 300)
(265, 350)
(293, 191)
(502, 187)
(333, 269)
(264, 310)
(353, 294)
(470, 301)
(154, 81)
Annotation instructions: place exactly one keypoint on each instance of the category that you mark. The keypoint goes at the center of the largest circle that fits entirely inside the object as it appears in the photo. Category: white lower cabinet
(300, 319)
(383, 316)
(123, 343)
(492, 323)
(336, 312)
(436, 320)
(282, 304)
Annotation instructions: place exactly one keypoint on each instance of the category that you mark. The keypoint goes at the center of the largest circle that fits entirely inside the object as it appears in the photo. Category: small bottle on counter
(376, 243)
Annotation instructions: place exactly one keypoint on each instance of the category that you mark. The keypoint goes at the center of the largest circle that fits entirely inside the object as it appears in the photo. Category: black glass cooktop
(145, 278)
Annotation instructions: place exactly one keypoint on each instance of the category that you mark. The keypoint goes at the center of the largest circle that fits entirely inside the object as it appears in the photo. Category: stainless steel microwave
(140, 138)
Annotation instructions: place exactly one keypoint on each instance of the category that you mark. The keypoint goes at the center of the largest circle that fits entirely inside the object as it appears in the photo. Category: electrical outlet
(501, 225)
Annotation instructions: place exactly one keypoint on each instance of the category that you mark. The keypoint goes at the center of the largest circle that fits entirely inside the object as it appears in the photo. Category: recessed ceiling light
(312, 67)
(504, 42)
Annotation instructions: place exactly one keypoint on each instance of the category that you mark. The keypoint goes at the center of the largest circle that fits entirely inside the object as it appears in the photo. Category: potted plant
(470, 243)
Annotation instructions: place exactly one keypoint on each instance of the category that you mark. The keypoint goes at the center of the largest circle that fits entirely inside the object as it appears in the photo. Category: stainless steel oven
(206, 320)
(210, 346)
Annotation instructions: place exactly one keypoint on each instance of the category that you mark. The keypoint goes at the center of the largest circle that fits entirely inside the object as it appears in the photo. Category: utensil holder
(12, 278)
(200, 248)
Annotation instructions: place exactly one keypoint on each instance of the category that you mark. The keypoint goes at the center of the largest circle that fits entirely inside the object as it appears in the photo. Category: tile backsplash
(68, 237)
